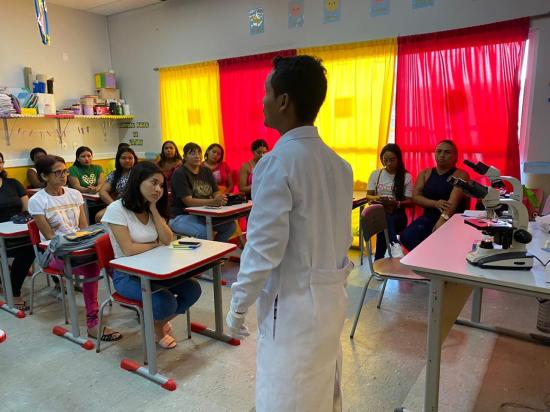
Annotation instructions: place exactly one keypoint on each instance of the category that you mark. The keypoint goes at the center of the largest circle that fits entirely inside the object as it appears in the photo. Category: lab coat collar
(302, 132)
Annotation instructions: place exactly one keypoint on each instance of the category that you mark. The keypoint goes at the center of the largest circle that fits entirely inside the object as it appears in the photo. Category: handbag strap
(377, 181)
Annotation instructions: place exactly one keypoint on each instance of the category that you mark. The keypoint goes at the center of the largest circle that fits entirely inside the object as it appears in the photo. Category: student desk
(359, 201)
(10, 230)
(165, 262)
(221, 214)
(442, 259)
(74, 259)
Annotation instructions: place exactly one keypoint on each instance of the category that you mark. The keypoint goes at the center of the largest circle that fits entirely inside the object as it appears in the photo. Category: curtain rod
(540, 16)
(535, 17)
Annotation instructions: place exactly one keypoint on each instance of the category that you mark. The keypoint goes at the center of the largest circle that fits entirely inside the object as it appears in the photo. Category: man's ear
(285, 102)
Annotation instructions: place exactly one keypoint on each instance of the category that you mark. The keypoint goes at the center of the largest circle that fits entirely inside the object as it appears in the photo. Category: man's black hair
(304, 79)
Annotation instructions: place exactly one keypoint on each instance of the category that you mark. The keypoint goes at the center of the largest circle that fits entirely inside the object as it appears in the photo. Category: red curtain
(462, 85)
(242, 89)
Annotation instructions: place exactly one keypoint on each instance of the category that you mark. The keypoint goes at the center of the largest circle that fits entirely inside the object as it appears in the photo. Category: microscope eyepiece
(478, 167)
(470, 187)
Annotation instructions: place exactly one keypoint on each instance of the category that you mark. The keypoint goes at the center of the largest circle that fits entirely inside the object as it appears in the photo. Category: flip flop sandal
(111, 337)
(21, 306)
(167, 342)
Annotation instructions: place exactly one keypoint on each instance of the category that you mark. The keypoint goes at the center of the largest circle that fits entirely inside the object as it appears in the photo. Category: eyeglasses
(60, 173)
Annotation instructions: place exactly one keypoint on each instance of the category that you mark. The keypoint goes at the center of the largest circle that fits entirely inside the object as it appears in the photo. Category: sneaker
(396, 250)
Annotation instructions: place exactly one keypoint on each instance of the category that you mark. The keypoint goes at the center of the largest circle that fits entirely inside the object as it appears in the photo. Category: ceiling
(104, 7)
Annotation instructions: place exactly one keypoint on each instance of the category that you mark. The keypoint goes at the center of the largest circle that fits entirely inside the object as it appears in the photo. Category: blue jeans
(417, 231)
(396, 222)
(195, 226)
(170, 297)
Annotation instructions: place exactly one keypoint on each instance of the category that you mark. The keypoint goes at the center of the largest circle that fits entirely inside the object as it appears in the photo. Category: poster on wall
(331, 11)
(256, 20)
(420, 4)
(295, 14)
(379, 8)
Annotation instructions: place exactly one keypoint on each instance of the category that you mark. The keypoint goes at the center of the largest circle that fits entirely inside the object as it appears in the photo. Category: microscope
(505, 239)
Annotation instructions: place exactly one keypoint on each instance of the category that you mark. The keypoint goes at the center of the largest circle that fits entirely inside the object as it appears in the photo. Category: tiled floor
(383, 364)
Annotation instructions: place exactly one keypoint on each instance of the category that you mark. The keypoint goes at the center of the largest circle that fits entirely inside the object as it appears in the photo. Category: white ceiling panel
(104, 7)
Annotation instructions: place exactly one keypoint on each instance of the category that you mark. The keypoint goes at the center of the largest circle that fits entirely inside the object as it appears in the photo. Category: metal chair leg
(107, 285)
(382, 293)
(361, 302)
(143, 342)
(100, 324)
(33, 278)
(188, 323)
(62, 289)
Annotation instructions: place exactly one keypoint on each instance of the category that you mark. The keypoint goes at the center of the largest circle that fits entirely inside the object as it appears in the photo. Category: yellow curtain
(190, 104)
(355, 117)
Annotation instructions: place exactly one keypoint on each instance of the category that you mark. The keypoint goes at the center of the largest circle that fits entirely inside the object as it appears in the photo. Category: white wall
(84, 39)
(186, 31)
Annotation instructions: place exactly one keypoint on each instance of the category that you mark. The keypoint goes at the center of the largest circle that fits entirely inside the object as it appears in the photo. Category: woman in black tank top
(437, 196)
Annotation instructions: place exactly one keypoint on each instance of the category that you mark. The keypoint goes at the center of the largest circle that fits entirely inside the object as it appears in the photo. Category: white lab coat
(299, 233)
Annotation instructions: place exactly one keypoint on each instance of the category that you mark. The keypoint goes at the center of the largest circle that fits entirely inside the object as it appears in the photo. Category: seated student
(14, 200)
(136, 224)
(259, 147)
(170, 160)
(194, 185)
(32, 176)
(83, 175)
(60, 210)
(393, 184)
(438, 197)
(213, 159)
(116, 181)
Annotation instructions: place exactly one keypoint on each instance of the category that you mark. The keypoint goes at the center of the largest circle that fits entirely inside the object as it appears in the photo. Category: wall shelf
(58, 117)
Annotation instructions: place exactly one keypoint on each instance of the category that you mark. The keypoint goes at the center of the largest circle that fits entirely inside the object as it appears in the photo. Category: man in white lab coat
(295, 261)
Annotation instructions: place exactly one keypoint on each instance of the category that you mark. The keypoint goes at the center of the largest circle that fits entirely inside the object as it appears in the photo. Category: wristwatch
(445, 216)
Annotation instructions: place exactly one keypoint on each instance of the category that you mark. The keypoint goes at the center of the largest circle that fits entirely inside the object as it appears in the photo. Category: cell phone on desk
(189, 243)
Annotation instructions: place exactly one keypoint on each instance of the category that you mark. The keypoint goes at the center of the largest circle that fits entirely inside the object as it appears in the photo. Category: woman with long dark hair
(193, 185)
(84, 176)
(116, 181)
(213, 159)
(169, 160)
(137, 222)
(393, 186)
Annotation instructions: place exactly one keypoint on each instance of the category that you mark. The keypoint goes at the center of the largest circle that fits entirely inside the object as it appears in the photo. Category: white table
(442, 259)
(165, 262)
(68, 265)
(10, 230)
(221, 214)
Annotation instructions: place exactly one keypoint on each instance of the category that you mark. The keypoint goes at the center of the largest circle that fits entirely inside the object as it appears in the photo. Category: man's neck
(290, 125)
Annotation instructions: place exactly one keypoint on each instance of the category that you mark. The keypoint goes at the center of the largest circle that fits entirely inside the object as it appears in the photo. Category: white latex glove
(236, 327)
